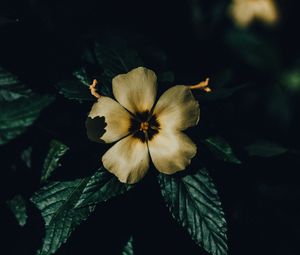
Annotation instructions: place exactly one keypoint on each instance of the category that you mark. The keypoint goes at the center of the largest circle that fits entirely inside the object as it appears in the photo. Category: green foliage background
(247, 137)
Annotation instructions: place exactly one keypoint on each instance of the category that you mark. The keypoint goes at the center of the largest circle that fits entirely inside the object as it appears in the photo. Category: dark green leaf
(101, 187)
(75, 90)
(128, 248)
(195, 204)
(18, 207)
(78, 88)
(220, 85)
(26, 156)
(57, 202)
(56, 151)
(291, 79)
(252, 50)
(82, 76)
(221, 149)
(19, 106)
(265, 149)
(219, 93)
(11, 88)
(115, 57)
(17, 115)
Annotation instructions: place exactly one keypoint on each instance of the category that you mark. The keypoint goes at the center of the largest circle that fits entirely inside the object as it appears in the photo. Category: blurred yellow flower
(142, 129)
(244, 12)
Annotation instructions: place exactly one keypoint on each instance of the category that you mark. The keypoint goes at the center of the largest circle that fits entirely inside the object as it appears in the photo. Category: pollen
(144, 126)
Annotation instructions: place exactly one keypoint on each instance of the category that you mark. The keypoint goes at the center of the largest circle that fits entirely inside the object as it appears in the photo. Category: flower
(142, 129)
(244, 12)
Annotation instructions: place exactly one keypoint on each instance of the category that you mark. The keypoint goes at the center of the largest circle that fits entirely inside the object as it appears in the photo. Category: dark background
(260, 198)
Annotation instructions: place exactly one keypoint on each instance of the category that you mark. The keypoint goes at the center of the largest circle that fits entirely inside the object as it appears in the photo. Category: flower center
(144, 126)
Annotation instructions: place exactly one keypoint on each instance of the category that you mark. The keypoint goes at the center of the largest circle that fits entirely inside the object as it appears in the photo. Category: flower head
(244, 12)
(144, 129)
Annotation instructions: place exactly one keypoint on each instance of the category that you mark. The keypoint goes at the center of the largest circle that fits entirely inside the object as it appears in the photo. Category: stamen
(203, 85)
(93, 89)
(144, 126)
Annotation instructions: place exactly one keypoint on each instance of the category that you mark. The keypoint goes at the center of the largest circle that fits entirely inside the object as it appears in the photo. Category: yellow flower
(244, 12)
(143, 129)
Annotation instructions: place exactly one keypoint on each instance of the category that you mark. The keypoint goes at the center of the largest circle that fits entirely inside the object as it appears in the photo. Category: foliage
(221, 149)
(233, 59)
(195, 204)
(64, 205)
(128, 249)
(18, 206)
(56, 151)
(265, 149)
(19, 106)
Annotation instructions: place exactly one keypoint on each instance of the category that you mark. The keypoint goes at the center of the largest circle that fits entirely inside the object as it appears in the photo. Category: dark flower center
(144, 126)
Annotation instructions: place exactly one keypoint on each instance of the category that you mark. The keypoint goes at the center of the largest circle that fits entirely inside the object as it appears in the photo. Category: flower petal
(117, 120)
(136, 90)
(177, 109)
(171, 152)
(128, 159)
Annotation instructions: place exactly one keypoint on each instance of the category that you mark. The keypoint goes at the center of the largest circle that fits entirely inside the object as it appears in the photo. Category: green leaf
(101, 187)
(18, 206)
(115, 57)
(19, 106)
(195, 204)
(57, 202)
(16, 116)
(26, 156)
(265, 149)
(252, 50)
(290, 79)
(128, 248)
(56, 151)
(75, 90)
(221, 149)
(11, 88)
(219, 93)
(78, 87)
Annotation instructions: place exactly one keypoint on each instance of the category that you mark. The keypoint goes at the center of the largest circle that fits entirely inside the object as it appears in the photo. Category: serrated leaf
(56, 151)
(101, 187)
(18, 206)
(17, 115)
(57, 201)
(128, 248)
(221, 149)
(265, 149)
(11, 88)
(115, 57)
(19, 106)
(82, 76)
(75, 90)
(78, 88)
(195, 204)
